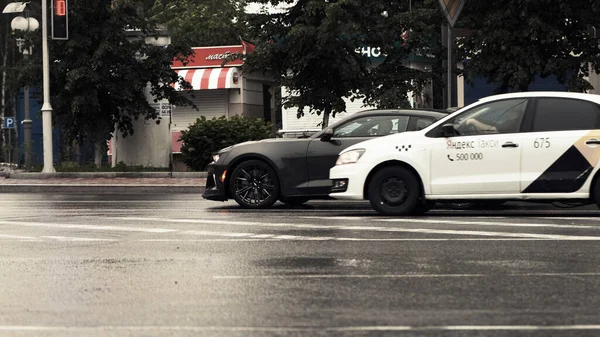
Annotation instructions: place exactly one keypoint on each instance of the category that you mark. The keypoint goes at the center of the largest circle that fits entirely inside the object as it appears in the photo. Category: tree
(407, 30)
(200, 23)
(513, 41)
(99, 75)
(311, 49)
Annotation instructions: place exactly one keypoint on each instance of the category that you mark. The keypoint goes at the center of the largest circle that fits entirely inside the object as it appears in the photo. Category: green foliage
(514, 40)
(200, 23)
(311, 50)
(206, 137)
(100, 75)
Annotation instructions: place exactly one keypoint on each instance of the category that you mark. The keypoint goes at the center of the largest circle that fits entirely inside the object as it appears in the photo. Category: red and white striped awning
(210, 78)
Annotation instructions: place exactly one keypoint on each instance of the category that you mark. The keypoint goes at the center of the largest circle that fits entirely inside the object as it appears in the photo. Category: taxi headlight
(350, 157)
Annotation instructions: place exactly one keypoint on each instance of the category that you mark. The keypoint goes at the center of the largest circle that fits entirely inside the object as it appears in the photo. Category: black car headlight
(217, 156)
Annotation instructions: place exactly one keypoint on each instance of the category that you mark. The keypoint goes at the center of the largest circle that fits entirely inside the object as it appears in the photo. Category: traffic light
(60, 19)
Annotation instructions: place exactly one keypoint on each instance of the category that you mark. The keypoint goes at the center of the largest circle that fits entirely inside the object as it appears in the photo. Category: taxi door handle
(593, 141)
(510, 144)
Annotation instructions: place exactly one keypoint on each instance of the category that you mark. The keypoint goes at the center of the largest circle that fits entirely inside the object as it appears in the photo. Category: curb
(102, 189)
(54, 175)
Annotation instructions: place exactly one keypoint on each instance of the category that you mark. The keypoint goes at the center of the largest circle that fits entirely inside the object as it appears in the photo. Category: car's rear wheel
(294, 200)
(394, 190)
(254, 184)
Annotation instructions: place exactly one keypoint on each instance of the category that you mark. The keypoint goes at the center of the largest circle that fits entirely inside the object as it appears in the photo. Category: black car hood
(274, 140)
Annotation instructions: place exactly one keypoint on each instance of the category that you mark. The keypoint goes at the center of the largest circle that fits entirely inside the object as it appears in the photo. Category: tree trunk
(326, 114)
(98, 155)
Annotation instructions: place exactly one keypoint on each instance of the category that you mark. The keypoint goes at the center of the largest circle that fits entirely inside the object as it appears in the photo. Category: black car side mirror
(327, 135)
(448, 130)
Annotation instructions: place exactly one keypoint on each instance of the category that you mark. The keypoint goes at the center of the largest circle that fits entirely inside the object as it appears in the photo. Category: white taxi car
(542, 146)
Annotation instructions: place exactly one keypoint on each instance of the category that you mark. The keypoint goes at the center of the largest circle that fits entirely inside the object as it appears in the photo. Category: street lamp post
(26, 24)
(46, 107)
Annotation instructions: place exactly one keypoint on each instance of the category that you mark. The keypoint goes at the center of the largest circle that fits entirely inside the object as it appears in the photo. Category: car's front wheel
(394, 191)
(254, 184)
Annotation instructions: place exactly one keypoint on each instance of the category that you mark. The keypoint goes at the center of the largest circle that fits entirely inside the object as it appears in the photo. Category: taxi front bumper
(348, 181)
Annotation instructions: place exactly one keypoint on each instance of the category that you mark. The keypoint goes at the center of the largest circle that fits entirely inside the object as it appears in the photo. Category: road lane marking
(399, 276)
(461, 222)
(71, 238)
(366, 228)
(91, 227)
(151, 328)
(488, 223)
(155, 230)
(17, 237)
(293, 237)
(568, 218)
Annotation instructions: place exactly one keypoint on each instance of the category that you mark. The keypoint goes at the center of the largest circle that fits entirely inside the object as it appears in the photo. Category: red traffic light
(60, 7)
(60, 20)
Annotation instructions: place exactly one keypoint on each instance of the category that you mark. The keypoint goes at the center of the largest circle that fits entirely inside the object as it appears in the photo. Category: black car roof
(435, 113)
(432, 113)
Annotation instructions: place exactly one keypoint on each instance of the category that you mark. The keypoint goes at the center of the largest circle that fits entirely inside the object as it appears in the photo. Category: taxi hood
(381, 142)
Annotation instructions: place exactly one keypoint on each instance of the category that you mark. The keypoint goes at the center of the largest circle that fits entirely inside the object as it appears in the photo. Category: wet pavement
(104, 185)
(178, 265)
(105, 181)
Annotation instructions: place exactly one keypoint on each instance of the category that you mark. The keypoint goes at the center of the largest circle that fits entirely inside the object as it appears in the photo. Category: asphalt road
(163, 265)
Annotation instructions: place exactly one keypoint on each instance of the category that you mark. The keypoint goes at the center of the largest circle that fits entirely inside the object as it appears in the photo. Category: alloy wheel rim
(254, 185)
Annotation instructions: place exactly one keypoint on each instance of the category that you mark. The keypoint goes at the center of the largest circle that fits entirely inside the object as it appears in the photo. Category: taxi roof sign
(452, 9)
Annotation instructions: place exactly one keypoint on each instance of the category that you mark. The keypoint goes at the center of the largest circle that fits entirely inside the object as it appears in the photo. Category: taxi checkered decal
(571, 170)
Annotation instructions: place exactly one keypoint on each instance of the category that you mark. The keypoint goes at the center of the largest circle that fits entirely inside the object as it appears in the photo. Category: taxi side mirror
(327, 135)
(448, 130)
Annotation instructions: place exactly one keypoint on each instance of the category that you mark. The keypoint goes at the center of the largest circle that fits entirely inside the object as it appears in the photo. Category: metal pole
(46, 107)
(449, 66)
(10, 161)
(27, 123)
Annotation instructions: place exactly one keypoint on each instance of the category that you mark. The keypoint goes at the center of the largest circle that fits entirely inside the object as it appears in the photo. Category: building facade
(218, 89)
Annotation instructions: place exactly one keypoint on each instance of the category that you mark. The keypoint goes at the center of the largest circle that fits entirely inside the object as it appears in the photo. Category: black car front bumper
(214, 189)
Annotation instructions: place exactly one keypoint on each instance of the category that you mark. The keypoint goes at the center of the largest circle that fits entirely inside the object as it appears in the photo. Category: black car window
(423, 122)
(561, 114)
(370, 126)
(503, 116)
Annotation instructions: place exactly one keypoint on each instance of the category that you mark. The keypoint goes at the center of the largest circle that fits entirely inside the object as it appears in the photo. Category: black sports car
(294, 170)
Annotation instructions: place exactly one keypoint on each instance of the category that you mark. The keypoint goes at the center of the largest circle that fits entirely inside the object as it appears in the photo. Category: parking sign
(8, 123)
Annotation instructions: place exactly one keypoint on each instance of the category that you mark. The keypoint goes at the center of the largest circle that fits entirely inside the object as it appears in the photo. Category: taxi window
(561, 114)
(503, 116)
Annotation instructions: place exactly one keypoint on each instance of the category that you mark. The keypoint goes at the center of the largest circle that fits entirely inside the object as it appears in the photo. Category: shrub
(205, 137)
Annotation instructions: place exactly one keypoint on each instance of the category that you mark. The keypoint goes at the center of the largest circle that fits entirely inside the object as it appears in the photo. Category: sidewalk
(102, 182)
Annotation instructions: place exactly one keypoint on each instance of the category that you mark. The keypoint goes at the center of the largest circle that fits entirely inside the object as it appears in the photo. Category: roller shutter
(210, 103)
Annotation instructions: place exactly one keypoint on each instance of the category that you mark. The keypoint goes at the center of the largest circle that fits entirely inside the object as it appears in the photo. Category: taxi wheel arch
(414, 203)
(595, 189)
(387, 164)
(237, 163)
